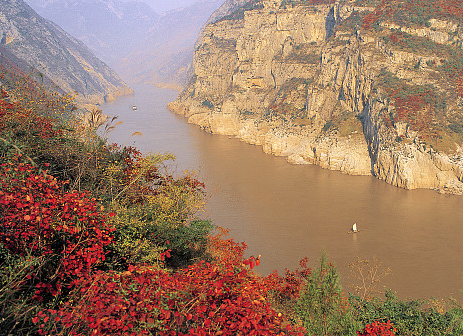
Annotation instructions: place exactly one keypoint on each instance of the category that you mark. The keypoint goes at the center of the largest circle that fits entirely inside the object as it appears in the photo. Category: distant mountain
(162, 6)
(49, 50)
(110, 28)
(168, 49)
(131, 37)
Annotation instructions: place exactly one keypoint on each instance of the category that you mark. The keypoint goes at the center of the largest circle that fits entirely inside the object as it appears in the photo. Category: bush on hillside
(221, 297)
(410, 317)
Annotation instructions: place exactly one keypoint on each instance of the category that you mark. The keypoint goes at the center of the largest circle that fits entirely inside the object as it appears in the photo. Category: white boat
(134, 108)
(354, 228)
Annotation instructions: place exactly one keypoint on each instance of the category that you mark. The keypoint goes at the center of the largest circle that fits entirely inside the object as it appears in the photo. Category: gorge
(137, 221)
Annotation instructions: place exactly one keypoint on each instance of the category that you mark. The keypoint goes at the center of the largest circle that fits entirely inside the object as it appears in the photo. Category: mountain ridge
(51, 51)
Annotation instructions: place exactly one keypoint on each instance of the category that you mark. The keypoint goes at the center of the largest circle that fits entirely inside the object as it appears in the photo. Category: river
(286, 212)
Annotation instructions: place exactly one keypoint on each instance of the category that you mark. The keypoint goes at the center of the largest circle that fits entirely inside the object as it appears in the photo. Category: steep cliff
(57, 55)
(365, 87)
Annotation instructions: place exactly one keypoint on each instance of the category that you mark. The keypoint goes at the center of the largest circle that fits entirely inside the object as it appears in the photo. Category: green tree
(322, 307)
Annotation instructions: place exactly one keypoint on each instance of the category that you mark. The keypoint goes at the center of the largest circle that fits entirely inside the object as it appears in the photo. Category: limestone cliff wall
(309, 83)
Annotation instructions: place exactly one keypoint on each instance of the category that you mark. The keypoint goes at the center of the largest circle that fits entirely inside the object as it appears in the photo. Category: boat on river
(354, 228)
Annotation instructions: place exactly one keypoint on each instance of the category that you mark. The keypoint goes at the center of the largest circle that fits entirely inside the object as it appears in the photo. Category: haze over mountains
(167, 52)
(162, 6)
(108, 28)
(132, 36)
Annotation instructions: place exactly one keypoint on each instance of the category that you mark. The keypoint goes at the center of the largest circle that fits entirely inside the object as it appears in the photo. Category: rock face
(364, 90)
(67, 62)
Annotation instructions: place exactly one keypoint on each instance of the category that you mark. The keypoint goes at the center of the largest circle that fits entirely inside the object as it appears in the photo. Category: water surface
(285, 212)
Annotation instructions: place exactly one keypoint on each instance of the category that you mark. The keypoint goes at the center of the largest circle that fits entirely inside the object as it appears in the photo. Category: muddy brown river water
(285, 212)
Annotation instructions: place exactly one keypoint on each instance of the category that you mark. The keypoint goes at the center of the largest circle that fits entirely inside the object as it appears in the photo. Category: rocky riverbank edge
(408, 166)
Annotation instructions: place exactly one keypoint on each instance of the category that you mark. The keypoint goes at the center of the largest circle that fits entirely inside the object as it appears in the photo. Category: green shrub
(410, 317)
(322, 308)
(142, 239)
(207, 103)
(16, 306)
(327, 126)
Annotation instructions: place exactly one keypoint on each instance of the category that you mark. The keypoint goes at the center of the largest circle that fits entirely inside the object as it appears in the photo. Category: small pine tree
(322, 307)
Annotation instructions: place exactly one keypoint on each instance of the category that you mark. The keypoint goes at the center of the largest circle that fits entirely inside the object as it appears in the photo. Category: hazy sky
(161, 6)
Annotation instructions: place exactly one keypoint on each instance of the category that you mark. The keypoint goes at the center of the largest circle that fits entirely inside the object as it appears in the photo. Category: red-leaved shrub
(66, 229)
(378, 329)
(222, 297)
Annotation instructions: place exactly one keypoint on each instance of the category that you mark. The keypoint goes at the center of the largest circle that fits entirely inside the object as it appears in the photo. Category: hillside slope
(365, 89)
(57, 55)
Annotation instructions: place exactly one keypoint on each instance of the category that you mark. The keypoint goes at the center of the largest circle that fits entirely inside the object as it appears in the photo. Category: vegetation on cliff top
(98, 239)
(416, 29)
(425, 108)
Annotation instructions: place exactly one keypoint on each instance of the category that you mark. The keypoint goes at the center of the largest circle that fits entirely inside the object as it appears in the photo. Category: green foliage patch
(293, 3)
(322, 307)
(238, 14)
(410, 317)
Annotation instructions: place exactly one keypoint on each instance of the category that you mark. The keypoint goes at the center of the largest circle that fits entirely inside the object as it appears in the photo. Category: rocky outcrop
(317, 84)
(67, 62)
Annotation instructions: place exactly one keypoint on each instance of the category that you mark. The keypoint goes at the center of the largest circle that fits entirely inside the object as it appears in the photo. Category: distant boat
(354, 228)
(134, 107)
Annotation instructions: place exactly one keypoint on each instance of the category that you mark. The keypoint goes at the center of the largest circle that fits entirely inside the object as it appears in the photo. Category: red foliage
(220, 298)
(26, 119)
(384, 8)
(378, 329)
(437, 8)
(5, 106)
(416, 106)
(225, 250)
(322, 2)
(440, 8)
(288, 286)
(39, 219)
